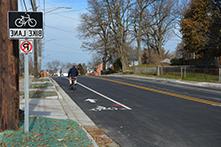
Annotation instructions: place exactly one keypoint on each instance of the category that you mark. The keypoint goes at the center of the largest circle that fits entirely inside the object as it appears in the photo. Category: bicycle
(73, 83)
(20, 22)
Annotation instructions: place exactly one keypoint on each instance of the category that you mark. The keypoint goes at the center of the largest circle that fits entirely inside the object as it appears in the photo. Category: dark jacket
(73, 72)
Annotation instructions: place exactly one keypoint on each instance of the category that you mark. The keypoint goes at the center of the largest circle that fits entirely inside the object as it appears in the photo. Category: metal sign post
(26, 91)
(26, 47)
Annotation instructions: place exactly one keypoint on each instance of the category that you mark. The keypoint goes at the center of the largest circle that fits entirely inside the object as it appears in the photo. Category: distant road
(146, 113)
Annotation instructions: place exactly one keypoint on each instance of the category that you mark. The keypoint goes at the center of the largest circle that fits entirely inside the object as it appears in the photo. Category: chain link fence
(191, 73)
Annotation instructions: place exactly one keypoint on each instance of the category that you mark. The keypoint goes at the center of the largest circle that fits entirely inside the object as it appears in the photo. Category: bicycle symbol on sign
(20, 22)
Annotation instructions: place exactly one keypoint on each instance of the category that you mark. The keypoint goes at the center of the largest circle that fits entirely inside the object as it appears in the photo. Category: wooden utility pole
(9, 71)
(36, 44)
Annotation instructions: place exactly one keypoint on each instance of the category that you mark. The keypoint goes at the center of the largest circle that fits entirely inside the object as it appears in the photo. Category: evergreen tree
(201, 29)
(195, 27)
(214, 35)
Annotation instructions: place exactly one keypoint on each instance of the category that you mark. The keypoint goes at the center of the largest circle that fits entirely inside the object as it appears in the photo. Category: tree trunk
(124, 64)
(139, 35)
(139, 50)
(124, 59)
(9, 71)
(105, 57)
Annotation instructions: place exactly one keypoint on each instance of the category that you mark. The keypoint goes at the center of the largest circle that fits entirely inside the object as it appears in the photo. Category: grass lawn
(171, 75)
(41, 80)
(199, 77)
(46, 132)
(42, 85)
(40, 94)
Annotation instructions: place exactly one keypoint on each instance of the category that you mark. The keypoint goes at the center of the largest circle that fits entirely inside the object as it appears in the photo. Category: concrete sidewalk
(47, 107)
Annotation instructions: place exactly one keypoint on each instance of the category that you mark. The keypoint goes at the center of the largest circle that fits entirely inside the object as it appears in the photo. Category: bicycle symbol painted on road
(20, 22)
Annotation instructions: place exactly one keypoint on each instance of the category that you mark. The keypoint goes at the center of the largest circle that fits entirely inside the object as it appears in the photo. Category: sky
(61, 38)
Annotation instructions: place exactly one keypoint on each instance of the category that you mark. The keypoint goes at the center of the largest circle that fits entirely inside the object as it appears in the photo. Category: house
(98, 70)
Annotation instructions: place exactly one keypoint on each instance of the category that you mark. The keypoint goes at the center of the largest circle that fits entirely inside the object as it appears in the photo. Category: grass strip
(41, 80)
(197, 77)
(43, 85)
(47, 132)
(40, 94)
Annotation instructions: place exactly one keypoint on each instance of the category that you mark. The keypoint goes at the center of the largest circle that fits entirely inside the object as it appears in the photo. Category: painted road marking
(91, 100)
(190, 98)
(106, 97)
(102, 108)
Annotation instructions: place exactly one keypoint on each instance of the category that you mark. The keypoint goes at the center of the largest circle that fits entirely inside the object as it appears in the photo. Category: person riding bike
(72, 75)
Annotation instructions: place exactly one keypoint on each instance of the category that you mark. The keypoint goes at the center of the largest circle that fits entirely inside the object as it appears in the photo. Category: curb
(70, 106)
(191, 83)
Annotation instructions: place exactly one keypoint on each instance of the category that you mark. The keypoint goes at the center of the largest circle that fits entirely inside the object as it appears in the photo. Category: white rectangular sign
(25, 33)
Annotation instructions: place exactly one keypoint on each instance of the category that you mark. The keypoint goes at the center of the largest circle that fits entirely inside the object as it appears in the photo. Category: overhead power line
(25, 6)
(21, 4)
(66, 17)
(59, 29)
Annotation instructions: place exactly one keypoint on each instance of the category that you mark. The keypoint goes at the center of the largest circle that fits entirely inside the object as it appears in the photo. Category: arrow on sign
(26, 46)
(91, 100)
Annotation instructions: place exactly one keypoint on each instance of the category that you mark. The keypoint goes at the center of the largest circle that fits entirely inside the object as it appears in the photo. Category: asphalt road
(145, 113)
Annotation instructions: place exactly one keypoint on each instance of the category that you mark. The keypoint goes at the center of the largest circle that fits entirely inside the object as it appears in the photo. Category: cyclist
(72, 75)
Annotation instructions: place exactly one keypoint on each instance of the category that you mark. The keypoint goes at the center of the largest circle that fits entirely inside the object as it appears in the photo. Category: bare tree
(106, 26)
(138, 19)
(55, 65)
(95, 28)
(160, 19)
(152, 57)
(119, 12)
(181, 8)
(111, 27)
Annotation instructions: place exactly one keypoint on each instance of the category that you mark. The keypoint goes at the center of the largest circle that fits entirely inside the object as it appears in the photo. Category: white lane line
(106, 97)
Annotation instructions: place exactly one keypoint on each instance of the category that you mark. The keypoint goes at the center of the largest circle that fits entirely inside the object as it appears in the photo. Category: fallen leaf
(60, 139)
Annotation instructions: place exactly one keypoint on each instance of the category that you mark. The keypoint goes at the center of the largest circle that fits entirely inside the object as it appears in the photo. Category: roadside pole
(181, 72)
(184, 74)
(25, 34)
(158, 70)
(36, 43)
(26, 93)
(26, 47)
(219, 74)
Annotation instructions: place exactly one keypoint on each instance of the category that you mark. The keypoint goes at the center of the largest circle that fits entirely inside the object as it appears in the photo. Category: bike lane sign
(25, 25)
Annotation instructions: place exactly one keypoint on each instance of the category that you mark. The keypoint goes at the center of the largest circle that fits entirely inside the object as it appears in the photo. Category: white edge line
(104, 96)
